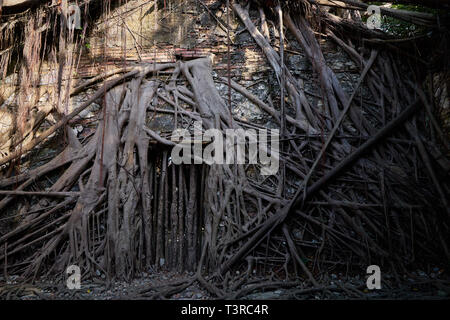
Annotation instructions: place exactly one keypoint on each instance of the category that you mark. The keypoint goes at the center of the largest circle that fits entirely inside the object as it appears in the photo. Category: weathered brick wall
(201, 35)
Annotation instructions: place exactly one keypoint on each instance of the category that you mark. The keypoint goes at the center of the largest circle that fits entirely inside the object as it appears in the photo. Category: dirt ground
(417, 285)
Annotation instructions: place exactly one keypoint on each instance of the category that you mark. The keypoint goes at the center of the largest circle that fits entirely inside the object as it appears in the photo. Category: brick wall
(207, 37)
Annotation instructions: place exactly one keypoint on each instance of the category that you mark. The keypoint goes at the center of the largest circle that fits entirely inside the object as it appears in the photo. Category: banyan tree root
(354, 192)
(124, 193)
